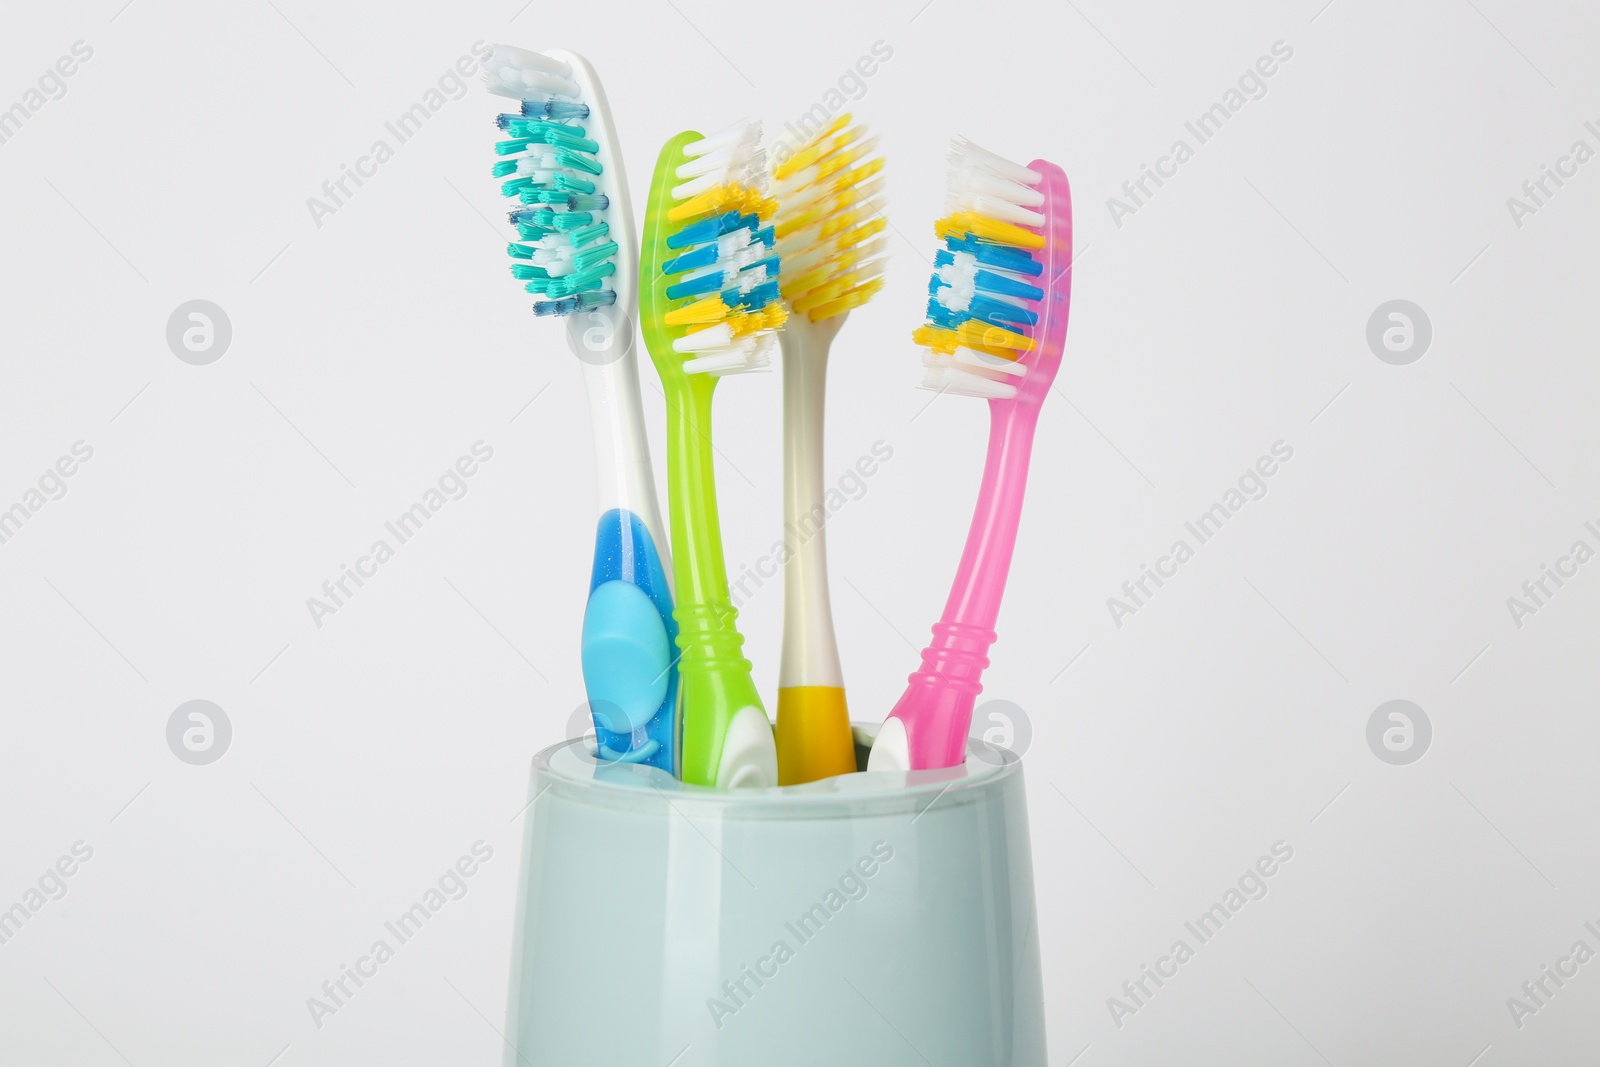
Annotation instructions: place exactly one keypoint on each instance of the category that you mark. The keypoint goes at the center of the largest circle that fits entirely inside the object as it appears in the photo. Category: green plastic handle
(715, 674)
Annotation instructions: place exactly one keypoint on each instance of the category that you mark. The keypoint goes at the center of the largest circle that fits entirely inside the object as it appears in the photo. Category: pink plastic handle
(936, 708)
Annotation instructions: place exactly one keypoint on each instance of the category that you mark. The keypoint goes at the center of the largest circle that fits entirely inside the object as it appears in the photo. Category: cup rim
(988, 769)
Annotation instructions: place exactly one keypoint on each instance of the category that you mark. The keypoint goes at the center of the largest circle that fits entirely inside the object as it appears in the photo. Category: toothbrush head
(830, 224)
(709, 274)
(562, 169)
(991, 330)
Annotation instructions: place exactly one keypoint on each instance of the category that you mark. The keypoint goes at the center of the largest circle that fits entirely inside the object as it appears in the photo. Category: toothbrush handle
(810, 649)
(937, 704)
(813, 730)
(715, 675)
(623, 473)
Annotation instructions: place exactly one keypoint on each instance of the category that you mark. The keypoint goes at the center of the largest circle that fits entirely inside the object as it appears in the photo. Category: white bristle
(743, 133)
(983, 182)
(944, 374)
(523, 75)
(990, 366)
(711, 337)
(732, 156)
(965, 154)
(749, 353)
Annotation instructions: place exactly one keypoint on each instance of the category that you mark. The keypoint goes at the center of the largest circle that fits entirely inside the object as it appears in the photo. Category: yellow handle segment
(814, 738)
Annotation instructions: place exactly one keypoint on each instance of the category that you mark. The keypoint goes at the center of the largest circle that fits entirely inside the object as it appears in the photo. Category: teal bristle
(569, 184)
(581, 237)
(548, 164)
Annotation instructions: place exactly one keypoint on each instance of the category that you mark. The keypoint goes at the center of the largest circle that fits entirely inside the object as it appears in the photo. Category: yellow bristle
(720, 199)
(987, 229)
(812, 151)
(708, 310)
(976, 334)
(849, 301)
(945, 342)
(830, 291)
(825, 212)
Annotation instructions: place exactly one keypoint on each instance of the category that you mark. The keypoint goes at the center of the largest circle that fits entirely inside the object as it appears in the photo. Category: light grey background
(1169, 753)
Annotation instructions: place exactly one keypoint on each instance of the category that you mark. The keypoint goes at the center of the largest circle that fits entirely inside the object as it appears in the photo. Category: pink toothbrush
(997, 321)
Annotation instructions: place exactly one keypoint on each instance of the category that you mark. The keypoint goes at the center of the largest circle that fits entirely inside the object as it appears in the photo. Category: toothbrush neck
(980, 582)
(713, 659)
(698, 565)
(810, 647)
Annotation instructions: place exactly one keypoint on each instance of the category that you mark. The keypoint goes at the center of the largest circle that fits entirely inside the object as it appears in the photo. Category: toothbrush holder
(866, 920)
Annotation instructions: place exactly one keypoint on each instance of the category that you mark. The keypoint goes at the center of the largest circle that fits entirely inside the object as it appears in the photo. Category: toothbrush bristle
(830, 224)
(724, 276)
(548, 164)
(984, 295)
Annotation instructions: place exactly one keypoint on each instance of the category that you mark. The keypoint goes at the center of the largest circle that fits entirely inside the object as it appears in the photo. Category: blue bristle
(704, 256)
(756, 299)
(709, 229)
(555, 109)
(594, 298)
(1002, 256)
(769, 265)
(999, 313)
(990, 282)
(943, 317)
(700, 286)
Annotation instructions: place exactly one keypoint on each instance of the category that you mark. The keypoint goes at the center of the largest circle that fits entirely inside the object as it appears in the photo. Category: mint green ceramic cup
(869, 919)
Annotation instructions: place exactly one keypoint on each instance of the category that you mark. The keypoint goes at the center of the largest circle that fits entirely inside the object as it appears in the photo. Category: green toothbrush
(708, 304)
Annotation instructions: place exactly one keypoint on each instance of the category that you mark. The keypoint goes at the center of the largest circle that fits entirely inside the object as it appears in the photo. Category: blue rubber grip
(630, 646)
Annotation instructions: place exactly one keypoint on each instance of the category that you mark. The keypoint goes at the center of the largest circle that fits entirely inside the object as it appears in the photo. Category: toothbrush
(997, 321)
(830, 240)
(576, 252)
(708, 301)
